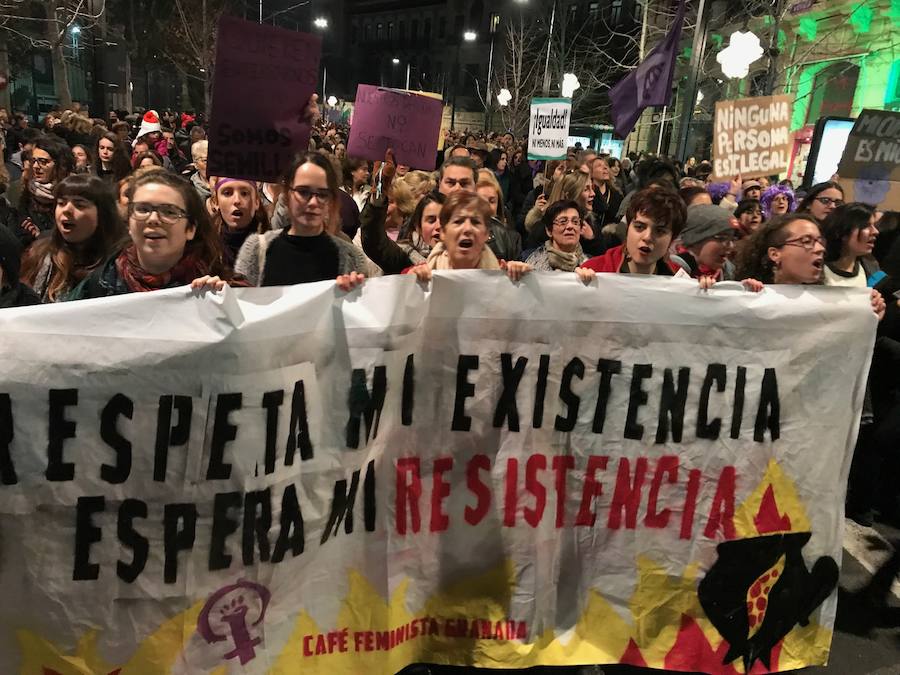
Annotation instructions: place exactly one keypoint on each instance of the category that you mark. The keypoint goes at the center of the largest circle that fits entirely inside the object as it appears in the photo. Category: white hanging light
(743, 49)
(504, 97)
(569, 84)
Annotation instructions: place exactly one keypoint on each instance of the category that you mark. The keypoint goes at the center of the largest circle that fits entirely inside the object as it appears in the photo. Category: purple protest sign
(387, 118)
(263, 79)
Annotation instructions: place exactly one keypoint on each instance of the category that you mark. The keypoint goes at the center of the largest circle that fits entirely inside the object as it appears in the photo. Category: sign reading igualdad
(752, 137)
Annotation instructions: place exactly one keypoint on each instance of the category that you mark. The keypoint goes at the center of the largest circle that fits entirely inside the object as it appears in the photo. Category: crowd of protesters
(97, 207)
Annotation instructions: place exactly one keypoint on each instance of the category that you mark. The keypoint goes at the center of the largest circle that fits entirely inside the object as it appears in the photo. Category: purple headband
(222, 181)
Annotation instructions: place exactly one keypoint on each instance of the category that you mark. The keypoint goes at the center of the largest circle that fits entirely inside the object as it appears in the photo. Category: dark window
(615, 14)
(368, 32)
(833, 91)
(414, 30)
(390, 32)
(593, 10)
(401, 30)
(458, 26)
(573, 14)
(379, 31)
(354, 34)
(427, 30)
(442, 27)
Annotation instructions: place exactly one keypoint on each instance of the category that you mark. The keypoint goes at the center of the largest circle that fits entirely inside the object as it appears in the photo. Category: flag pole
(690, 93)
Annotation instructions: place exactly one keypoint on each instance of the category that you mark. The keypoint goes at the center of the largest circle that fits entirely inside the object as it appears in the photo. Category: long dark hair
(334, 208)
(753, 255)
(414, 224)
(120, 164)
(206, 245)
(841, 223)
(815, 191)
(64, 258)
(63, 160)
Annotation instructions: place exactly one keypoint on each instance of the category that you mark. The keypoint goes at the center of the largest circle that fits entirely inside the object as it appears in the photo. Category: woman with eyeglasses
(304, 251)
(850, 232)
(789, 250)
(172, 241)
(707, 242)
(822, 199)
(51, 161)
(777, 200)
(562, 251)
(88, 230)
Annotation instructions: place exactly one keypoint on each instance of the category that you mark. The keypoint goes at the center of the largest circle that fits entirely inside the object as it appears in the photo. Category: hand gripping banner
(298, 480)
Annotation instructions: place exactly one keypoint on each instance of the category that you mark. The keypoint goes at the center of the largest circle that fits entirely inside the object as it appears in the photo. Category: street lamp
(332, 101)
(743, 49)
(395, 61)
(569, 84)
(321, 23)
(504, 97)
(468, 36)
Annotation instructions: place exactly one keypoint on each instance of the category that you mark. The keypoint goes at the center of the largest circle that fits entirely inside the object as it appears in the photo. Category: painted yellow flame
(785, 496)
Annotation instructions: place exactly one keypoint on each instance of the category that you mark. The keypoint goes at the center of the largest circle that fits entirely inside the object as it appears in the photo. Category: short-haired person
(707, 242)
(465, 219)
(172, 241)
(692, 195)
(822, 199)
(88, 230)
(304, 251)
(459, 174)
(562, 251)
(850, 232)
(654, 218)
(200, 180)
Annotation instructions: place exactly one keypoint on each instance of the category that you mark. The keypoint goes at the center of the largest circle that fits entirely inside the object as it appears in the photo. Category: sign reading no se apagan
(752, 137)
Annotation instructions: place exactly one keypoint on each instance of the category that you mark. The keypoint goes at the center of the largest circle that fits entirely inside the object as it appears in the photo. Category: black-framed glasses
(807, 242)
(42, 161)
(828, 201)
(307, 193)
(168, 213)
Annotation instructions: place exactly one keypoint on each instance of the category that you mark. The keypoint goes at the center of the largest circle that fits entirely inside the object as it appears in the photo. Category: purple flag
(650, 83)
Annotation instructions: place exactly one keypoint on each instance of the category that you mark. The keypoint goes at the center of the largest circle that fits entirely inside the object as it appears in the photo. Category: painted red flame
(693, 652)
(768, 519)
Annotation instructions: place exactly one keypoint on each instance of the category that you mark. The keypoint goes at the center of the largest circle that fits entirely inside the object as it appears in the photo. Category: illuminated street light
(504, 97)
(743, 49)
(470, 36)
(321, 23)
(332, 101)
(569, 84)
(395, 61)
(76, 29)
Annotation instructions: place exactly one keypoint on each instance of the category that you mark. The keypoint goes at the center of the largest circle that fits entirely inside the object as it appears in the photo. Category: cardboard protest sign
(264, 77)
(869, 169)
(406, 122)
(752, 137)
(548, 129)
(294, 480)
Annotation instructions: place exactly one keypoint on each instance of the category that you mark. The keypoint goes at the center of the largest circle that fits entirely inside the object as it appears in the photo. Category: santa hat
(186, 119)
(149, 124)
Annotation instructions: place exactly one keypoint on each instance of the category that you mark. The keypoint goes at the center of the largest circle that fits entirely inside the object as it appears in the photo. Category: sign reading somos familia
(752, 137)
(295, 480)
(548, 131)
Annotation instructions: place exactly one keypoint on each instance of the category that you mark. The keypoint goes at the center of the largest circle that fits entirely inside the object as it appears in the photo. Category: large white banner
(297, 480)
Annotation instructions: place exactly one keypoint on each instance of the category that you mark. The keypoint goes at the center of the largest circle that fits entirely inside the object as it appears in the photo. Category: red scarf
(139, 280)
